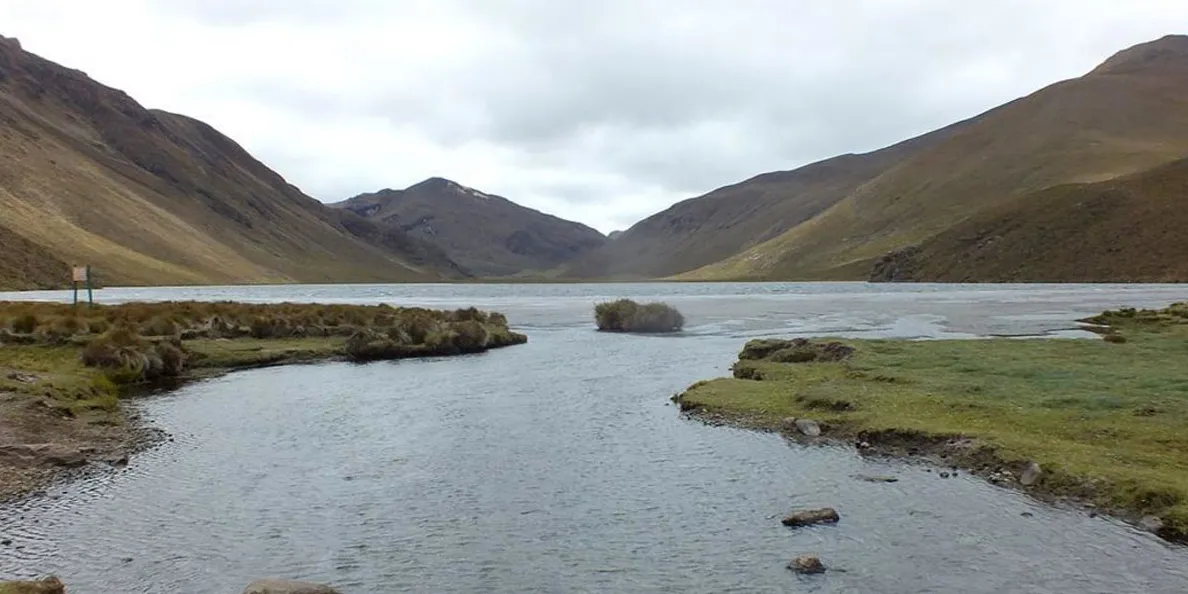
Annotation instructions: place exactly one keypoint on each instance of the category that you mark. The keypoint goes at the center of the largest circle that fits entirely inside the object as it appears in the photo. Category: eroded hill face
(487, 234)
(150, 197)
(1127, 116)
(1129, 229)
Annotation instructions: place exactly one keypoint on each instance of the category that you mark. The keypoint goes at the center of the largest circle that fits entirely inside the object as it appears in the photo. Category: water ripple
(560, 466)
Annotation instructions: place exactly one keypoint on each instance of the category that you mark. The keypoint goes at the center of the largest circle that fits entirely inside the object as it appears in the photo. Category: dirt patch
(40, 444)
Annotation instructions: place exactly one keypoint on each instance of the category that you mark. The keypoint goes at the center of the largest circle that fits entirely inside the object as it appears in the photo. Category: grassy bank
(63, 369)
(1107, 420)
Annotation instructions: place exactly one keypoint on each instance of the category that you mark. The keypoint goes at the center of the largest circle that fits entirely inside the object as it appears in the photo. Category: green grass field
(1108, 421)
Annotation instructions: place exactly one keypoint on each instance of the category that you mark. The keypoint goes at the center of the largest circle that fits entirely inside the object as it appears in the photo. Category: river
(561, 465)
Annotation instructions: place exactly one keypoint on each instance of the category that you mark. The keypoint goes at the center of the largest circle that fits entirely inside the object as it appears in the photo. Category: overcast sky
(602, 111)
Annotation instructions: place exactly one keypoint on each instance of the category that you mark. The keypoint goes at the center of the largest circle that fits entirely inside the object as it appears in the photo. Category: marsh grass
(58, 376)
(625, 315)
(1107, 421)
(82, 357)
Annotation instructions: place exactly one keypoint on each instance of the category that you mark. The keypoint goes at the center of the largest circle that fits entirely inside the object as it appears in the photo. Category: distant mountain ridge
(151, 197)
(488, 234)
(895, 211)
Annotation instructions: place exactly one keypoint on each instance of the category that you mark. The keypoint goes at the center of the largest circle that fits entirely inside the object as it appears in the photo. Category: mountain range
(487, 234)
(1004, 195)
(1084, 180)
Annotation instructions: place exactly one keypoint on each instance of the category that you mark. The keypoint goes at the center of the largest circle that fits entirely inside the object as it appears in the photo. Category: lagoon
(561, 465)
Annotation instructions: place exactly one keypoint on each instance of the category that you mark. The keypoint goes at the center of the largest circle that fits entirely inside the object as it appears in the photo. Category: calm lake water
(561, 466)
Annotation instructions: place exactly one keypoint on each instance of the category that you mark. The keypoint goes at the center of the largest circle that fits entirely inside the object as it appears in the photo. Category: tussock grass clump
(24, 323)
(129, 358)
(797, 350)
(423, 334)
(625, 315)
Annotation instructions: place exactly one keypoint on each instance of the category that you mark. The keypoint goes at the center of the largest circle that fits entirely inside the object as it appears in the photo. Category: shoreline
(135, 435)
(65, 371)
(952, 453)
(1096, 425)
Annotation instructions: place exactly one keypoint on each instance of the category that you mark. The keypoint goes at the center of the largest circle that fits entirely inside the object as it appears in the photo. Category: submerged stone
(287, 587)
(877, 479)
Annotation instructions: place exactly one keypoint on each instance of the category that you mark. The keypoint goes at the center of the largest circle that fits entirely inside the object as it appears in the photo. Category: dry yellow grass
(1128, 116)
(150, 197)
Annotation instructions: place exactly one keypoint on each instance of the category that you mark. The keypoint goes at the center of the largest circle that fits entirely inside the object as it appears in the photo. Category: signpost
(82, 274)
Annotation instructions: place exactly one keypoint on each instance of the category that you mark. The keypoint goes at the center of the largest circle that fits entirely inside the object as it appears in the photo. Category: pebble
(944, 475)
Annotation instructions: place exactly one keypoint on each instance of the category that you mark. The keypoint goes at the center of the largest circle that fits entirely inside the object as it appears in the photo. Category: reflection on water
(560, 466)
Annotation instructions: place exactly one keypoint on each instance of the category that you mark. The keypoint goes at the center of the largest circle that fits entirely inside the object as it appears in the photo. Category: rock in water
(808, 427)
(50, 585)
(807, 564)
(810, 517)
(877, 479)
(287, 587)
(1031, 474)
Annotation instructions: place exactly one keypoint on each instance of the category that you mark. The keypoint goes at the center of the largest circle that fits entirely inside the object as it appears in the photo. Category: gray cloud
(599, 111)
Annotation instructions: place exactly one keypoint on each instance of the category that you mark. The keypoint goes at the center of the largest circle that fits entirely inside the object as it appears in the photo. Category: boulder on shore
(287, 587)
(810, 517)
(807, 564)
(1031, 474)
(808, 427)
(49, 585)
(1152, 524)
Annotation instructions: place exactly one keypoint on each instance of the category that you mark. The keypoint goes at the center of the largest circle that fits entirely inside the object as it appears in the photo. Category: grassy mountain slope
(489, 235)
(150, 197)
(1127, 229)
(710, 228)
(1128, 115)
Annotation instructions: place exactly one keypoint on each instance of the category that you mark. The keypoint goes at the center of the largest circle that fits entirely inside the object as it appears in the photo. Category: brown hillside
(489, 235)
(1126, 116)
(150, 197)
(1130, 229)
(710, 228)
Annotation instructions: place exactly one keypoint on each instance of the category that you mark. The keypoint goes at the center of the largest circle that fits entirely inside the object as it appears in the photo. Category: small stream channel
(561, 466)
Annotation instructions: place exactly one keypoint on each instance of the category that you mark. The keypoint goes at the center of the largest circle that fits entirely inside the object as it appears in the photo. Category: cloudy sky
(602, 111)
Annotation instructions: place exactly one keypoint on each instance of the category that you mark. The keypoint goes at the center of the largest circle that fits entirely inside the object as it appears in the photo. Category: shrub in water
(626, 315)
